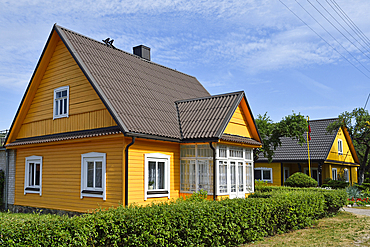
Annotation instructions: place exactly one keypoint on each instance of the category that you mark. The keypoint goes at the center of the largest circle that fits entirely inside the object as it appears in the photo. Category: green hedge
(180, 223)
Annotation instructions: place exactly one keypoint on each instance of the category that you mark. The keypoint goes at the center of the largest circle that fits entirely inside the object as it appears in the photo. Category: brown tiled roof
(66, 136)
(239, 139)
(207, 117)
(139, 94)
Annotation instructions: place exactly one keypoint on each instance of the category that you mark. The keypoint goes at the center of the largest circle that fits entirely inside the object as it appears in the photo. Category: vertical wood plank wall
(61, 174)
(86, 110)
(238, 124)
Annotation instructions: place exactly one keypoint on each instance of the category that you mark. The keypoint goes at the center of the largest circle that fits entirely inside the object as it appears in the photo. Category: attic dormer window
(61, 101)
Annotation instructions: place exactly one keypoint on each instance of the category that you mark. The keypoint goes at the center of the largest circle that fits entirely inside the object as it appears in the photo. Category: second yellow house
(332, 155)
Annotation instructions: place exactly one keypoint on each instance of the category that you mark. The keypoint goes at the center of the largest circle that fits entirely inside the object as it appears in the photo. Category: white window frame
(336, 173)
(167, 186)
(32, 189)
(340, 147)
(55, 111)
(88, 191)
(265, 169)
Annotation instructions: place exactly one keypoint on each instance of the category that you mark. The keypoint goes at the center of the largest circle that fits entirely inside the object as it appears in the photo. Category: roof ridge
(325, 119)
(128, 53)
(209, 97)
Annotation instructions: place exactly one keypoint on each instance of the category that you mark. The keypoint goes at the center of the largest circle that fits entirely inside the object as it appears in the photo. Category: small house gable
(340, 150)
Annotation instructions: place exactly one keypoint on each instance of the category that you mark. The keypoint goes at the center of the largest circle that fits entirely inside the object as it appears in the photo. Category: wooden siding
(238, 124)
(347, 154)
(276, 177)
(136, 168)
(61, 174)
(86, 110)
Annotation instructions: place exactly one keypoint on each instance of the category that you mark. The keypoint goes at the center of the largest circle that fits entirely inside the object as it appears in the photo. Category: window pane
(64, 93)
(240, 176)
(205, 175)
(56, 107)
(232, 177)
(184, 176)
(37, 182)
(192, 173)
(236, 152)
(90, 174)
(204, 151)
(65, 106)
(223, 176)
(58, 95)
(222, 151)
(98, 174)
(60, 106)
(249, 181)
(266, 175)
(31, 174)
(257, 175)
(187, 150)
(160, 174)
(248, 154)
(152, 175)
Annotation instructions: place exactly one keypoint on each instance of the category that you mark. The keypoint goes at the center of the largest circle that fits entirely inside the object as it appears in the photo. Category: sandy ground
(358, 211)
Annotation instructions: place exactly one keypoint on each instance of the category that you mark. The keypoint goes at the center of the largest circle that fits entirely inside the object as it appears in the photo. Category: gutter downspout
(126, 169)
(214, 170)
(6, 178)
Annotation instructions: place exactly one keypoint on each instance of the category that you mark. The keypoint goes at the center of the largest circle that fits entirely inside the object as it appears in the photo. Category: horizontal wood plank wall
(61, 175)
(86, 110)
(136, 168)
(276, 172)
(238, 124)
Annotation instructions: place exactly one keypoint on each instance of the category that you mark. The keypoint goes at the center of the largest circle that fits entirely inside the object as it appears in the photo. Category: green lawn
(345, 229)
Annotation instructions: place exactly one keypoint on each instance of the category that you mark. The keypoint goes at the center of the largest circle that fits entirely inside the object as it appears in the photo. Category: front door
(237, 179)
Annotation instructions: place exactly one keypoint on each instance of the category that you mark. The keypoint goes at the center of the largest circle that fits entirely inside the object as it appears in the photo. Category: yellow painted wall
(86, 110)
(276, 168)
(347, 155)
(238, 124)
(136, 168)
(61, 174)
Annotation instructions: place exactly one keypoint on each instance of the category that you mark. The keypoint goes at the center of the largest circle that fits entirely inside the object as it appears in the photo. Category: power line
(367, 101)
(342, 27)
(334, 39)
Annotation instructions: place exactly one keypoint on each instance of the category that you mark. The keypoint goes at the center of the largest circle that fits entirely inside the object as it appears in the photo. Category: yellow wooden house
(99, 127)
(332, 155)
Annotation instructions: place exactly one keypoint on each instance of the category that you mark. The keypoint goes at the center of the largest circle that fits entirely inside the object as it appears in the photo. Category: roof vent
(142, 51)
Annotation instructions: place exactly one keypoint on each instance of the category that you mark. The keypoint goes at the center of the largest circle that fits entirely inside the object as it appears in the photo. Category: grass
(345, 229)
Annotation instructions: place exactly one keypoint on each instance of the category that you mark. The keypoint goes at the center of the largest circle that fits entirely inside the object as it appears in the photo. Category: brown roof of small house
(239, 139)
(207, 117)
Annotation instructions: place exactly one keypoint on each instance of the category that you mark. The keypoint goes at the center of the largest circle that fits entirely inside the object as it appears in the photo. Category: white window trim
(336, 173)
(101, 156)
(264, 169)
(26, 178)
(157, 156)
(340, 147)
(58, 90)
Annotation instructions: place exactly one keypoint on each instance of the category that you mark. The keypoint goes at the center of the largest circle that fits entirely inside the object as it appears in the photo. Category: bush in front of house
(335, 184)
(194, 222)
(301, 180)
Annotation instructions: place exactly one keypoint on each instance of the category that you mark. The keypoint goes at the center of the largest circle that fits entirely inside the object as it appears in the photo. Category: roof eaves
(90, 78)
(152, 137)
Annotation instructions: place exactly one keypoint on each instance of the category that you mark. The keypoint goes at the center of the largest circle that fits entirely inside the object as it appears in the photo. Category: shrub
(335, 184)
(301, 180)
(177, 223)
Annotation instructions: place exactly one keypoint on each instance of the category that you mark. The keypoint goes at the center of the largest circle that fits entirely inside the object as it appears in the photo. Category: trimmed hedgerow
(301, 180)
(193, 222)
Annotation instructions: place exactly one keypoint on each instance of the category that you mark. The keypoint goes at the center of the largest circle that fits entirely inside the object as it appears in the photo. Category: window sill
(92, 193)
(158, 193)
(31, 190)
(59, 116)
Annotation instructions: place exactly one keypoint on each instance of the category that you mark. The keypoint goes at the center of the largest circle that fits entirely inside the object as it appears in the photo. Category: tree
(357, 124)
(294, 126)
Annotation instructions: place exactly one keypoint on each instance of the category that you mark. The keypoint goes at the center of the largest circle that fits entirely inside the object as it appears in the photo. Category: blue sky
(256, 46)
